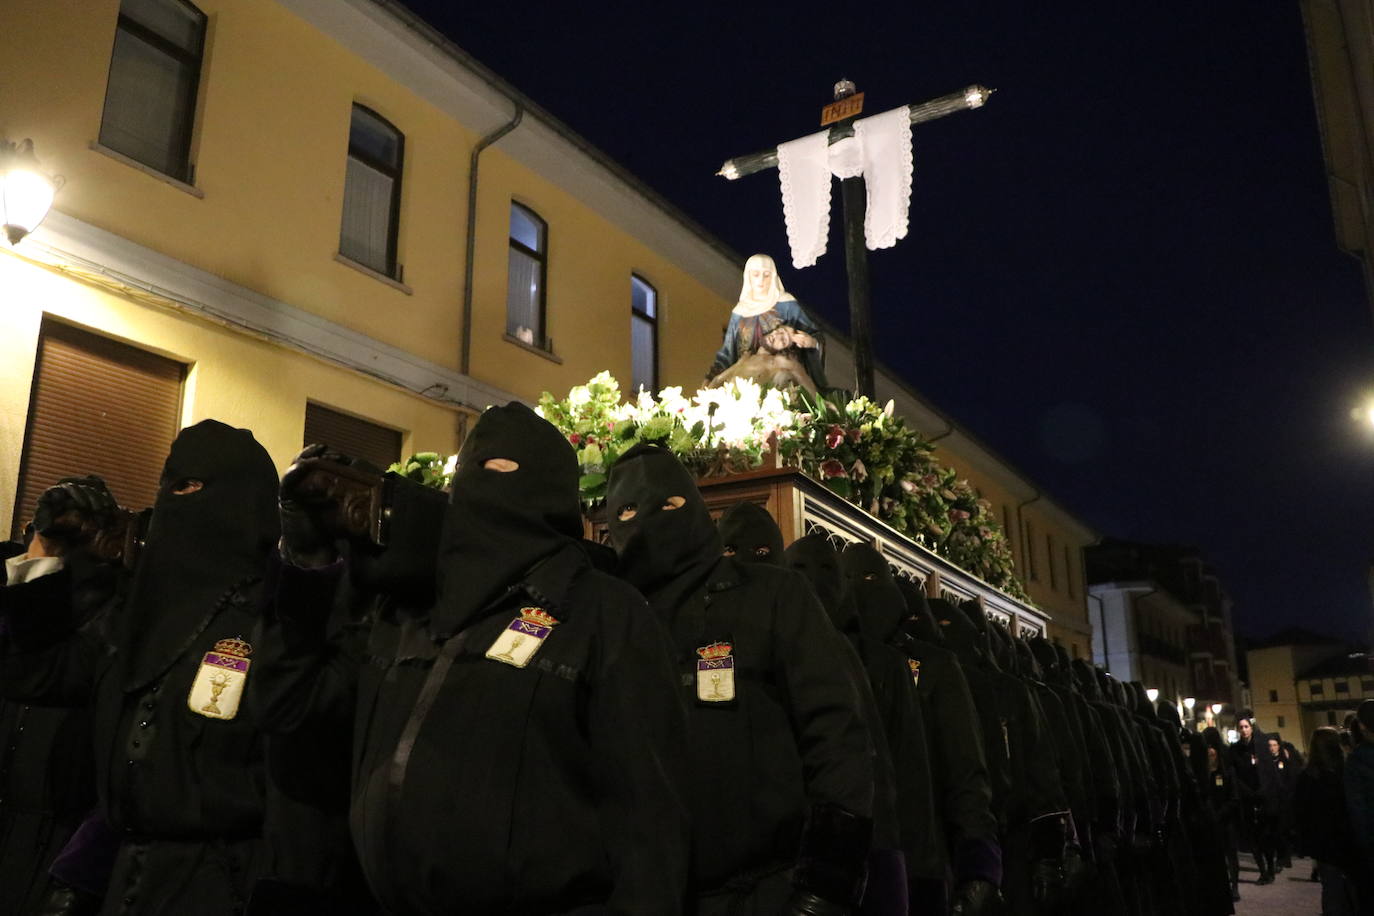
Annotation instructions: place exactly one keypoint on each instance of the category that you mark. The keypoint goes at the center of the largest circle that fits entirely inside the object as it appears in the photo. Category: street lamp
(26, 191)
(1189, 703)
(1152, 693)
(1216, 709)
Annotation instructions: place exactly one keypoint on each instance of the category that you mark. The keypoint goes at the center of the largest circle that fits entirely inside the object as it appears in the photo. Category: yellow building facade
(233, 267)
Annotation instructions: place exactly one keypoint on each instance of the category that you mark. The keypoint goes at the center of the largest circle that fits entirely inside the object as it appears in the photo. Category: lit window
(150, 97)
(643, 334)
(372, 193)
(527, 277)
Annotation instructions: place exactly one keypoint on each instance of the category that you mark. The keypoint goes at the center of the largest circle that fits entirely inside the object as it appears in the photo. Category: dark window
(352, 436)
(1068, 569)
(97, 407)
(1006, 527)
(372, 193)
(643, 334)
(1331, 717)
(1273, 696)
(527, 276)
(150, 97)
(1281, 722)
(1030, 552)
(1367, 685)
(1343, 686)
(1318, 689)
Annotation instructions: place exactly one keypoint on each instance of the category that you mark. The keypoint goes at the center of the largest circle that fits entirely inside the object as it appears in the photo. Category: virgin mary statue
(770, 338)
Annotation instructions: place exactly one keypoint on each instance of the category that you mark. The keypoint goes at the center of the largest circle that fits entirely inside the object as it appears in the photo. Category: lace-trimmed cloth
(880, 150)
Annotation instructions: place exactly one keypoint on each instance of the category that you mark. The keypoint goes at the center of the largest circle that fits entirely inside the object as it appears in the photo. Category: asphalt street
(1291, 893)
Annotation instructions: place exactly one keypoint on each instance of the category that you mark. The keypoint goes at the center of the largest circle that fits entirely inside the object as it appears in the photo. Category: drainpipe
(1026, 545)
(466, 354)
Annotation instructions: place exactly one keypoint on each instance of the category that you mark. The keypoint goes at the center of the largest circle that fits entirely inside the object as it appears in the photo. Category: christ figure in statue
(770, 338)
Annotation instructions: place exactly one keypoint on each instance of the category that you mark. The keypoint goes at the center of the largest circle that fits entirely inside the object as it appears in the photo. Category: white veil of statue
(751, 303)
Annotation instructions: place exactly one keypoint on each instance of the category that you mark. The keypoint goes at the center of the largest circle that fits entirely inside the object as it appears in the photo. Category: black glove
(304, 542)
(1076, 869)
(1047, 880)
(976, 898)
(74, 510)
(804, 903)
(832, 863)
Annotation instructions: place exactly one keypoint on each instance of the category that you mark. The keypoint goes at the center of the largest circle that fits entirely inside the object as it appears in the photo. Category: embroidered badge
(715, 673)
(915, 667)
(522, 638)
(218, 687)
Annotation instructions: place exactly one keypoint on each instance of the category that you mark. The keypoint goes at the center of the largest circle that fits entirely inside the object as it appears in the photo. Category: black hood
(664, 552)
(961, 637)
(1085, 676)
(1211, 737)
(870, 586)
(1138, 701)
(1026, 662)
(1003, 649)
(499, 524)
(1115, 691)
(748, 533)
(200, 545)
(816, 558)
(920, 621)
(1050, 663)
(1168, 714)
(973, 613)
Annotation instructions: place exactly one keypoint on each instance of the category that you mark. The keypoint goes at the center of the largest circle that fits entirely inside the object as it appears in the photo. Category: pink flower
(831, 468)
(575, 439)
(833, 437)
(855, 434)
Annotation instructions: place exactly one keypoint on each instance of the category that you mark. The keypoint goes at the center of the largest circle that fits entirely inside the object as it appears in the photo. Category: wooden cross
(842, 113)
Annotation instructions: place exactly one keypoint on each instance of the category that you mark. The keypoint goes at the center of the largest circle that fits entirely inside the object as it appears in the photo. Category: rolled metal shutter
(97, 406)
(351, 436)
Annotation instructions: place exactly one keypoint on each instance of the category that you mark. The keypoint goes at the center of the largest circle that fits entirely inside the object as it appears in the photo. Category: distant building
(1160, 616)
(1340, 48)
(1300, 680)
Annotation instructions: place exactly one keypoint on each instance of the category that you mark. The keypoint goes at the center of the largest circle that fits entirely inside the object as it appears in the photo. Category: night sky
(1121, 274)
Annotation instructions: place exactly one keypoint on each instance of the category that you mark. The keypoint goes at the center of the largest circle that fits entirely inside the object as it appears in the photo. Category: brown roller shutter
(97, 407)
(352, 436)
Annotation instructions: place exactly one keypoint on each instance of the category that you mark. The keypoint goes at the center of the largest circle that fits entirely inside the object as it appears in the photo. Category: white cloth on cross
(880, 150)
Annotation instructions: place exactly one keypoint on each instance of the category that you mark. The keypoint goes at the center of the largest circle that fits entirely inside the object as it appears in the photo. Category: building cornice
(107, 259)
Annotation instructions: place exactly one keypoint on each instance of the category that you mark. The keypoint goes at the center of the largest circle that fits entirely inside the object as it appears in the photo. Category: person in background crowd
(1260, 793)
(1288, 763)
(963, 791)
(872, 594)
(1323, 823)
(520, 743)
(1359, 799)
(750, 535)
(178, 755)
(47, 774)
(780, 761)
(1222, 800)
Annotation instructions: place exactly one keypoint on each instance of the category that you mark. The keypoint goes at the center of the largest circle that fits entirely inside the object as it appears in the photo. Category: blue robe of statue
(745, 336)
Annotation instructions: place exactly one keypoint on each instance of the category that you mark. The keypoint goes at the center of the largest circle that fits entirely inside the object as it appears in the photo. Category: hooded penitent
(816, 558)
(1048, 659)
(660, 526)
(200, 544)
(872, 590)
(961, 636)
(920, 622)
(749, 533)
(501, 523)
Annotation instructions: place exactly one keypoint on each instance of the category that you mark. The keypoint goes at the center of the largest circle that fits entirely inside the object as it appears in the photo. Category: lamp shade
(26, 193)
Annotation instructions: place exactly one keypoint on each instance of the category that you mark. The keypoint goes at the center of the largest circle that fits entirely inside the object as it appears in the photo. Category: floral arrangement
(717, 430)
(859, 449)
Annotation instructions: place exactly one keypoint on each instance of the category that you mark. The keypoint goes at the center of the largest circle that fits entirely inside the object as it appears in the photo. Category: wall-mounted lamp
(26, 191)
(1152, 693)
